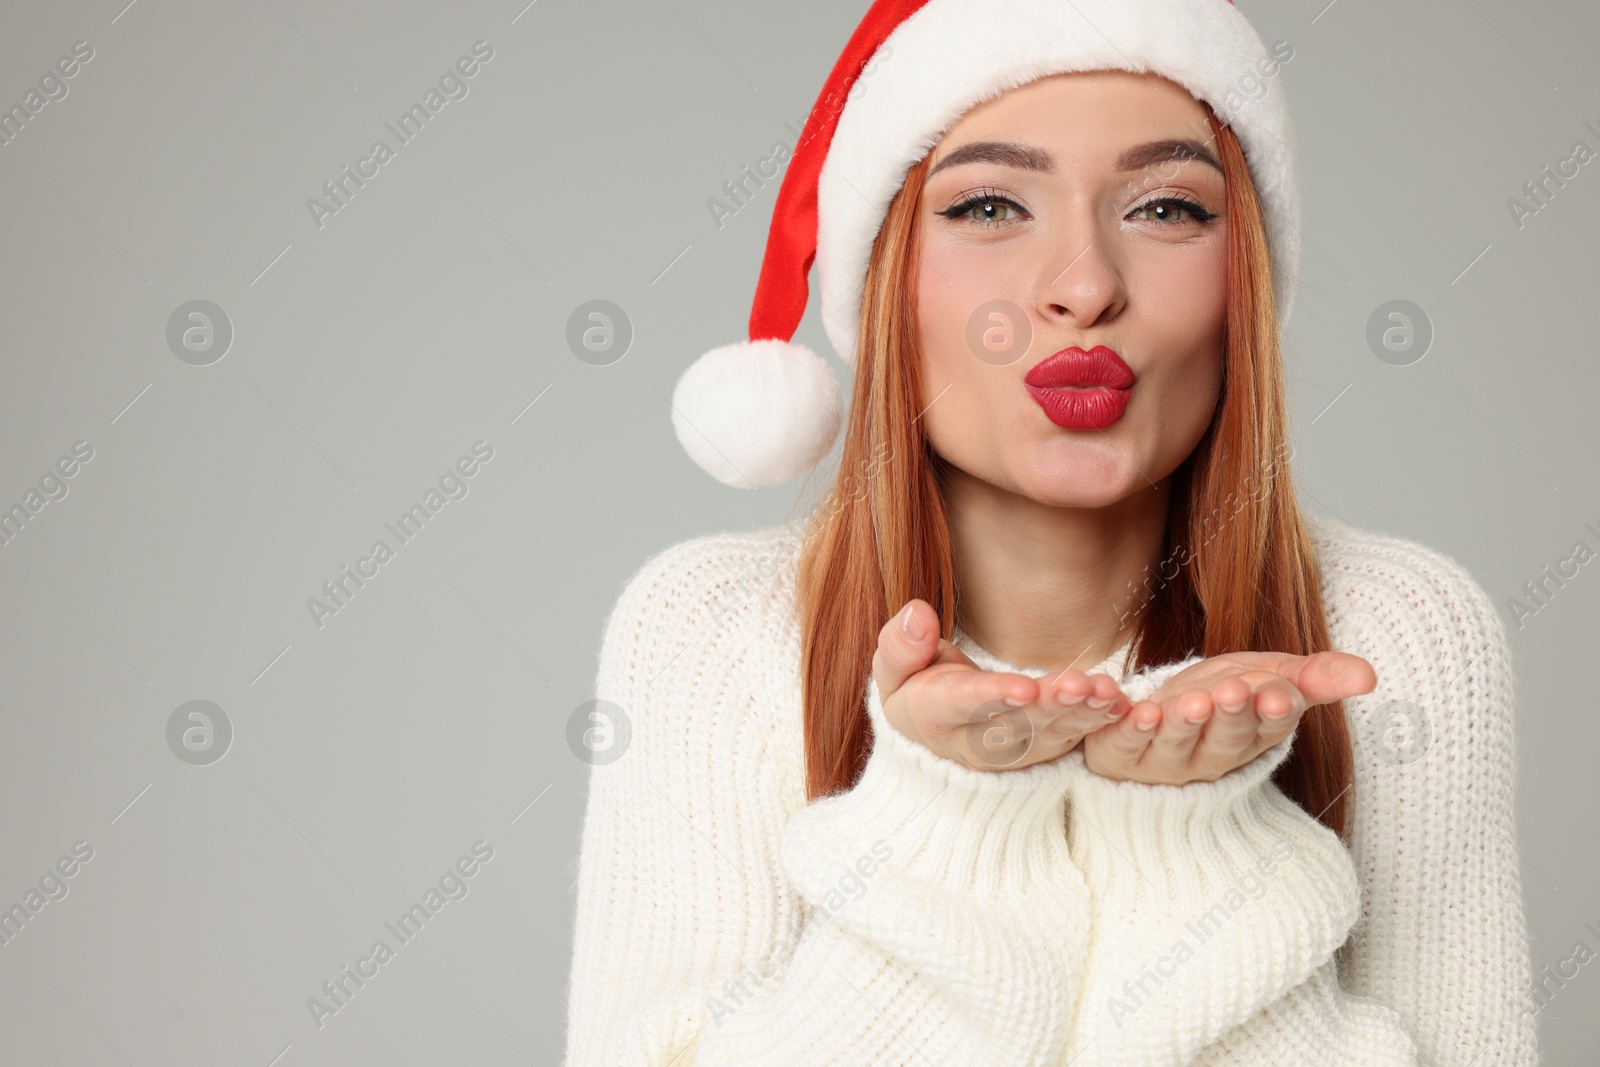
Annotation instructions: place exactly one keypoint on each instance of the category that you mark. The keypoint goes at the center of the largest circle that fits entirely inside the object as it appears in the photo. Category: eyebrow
(1027, 157)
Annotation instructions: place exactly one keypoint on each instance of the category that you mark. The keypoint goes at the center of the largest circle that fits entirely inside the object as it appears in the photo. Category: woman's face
(1052, 218)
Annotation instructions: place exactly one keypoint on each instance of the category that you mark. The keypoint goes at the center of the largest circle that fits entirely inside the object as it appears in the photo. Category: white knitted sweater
(938, 915)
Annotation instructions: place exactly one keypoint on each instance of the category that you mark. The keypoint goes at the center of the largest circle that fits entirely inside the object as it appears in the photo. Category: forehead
(1090, 116)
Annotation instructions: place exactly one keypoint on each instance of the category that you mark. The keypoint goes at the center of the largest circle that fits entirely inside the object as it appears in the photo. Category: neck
(1050, 587)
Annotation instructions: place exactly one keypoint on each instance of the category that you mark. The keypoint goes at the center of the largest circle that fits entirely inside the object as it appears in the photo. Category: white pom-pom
(757, 413)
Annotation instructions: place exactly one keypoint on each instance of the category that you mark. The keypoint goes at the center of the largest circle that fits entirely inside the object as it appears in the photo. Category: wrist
(1227, 828)
(975, 832)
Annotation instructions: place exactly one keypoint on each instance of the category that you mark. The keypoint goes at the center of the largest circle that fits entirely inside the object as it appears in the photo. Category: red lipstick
(1081, 390)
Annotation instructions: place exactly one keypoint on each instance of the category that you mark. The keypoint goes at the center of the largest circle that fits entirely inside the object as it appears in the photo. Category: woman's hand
(1221, 713)
(987, 720)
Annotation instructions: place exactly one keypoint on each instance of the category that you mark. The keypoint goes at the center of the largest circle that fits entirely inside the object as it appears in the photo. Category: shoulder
(707, 588)
(1422, 620)
(1410, 584)
(705, 574)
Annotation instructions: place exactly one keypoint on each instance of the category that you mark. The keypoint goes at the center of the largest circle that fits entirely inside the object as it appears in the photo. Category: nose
(1080, 285)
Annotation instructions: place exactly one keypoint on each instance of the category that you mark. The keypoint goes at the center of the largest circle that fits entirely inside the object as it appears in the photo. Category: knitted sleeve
(965, 948)
(1217, 910)
(1443, 936)
(930, 915)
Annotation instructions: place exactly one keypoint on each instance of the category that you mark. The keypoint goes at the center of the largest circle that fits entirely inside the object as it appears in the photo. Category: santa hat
(764, 410)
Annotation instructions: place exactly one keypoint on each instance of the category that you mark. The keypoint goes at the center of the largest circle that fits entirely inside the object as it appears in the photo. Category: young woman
(1058, 734)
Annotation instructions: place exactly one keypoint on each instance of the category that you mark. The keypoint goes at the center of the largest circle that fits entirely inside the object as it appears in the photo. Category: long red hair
(1238, 573)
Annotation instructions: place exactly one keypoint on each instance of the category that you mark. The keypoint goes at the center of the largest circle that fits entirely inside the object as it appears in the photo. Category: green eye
(986, 209)
(989, 210)
(1170, 208)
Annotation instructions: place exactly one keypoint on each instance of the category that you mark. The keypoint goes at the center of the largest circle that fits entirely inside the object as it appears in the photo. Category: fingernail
(1145, 725)
(1098, 703)
(910, 625)
(1010, 703)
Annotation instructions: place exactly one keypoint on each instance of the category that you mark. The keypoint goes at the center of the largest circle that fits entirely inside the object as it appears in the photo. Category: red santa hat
(761, 411)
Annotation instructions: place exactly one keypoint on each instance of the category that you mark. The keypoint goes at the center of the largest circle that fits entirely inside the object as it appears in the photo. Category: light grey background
(430, 312)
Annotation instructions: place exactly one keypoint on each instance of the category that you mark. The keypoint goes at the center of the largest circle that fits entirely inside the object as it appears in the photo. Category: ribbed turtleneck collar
(1112, 664)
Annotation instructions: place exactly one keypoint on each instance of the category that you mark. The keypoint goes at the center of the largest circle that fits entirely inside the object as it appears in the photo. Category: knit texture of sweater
(936, 915)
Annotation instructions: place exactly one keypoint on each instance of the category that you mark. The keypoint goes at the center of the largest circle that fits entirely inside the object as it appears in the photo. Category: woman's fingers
(1210, 730)
(1279, 705)
(1322, 676)
(1080, 704)
(1123, 744)
(1248, 716)
(1183, 722)
(1003, 720)
(908, 644)
(1234, 725)
(1066, 709)
(1072, 686)
(1327, 676)
(1218, 715)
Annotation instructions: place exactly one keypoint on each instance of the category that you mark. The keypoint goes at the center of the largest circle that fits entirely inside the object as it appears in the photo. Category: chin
(1079, 476)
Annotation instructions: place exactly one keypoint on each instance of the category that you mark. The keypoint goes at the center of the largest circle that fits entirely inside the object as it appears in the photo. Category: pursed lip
(1099, 366)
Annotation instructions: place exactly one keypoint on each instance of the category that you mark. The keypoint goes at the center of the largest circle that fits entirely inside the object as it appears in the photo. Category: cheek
(1193, 288)
(957, 384)
(1181, 298)
(948, 289)
(939, 304)
(971, 307)
(1186, 320)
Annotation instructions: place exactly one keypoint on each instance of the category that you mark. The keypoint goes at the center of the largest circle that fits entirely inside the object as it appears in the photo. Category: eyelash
(986, 196)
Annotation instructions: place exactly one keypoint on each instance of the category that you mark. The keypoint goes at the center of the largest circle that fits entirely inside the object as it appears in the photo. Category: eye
(989, 206)
(1170, 207)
